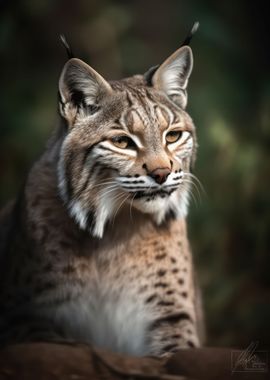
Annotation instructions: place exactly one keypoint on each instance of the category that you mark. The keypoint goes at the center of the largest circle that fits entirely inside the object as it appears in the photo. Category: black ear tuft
(194, 29)
(148, 76)
(66, 46)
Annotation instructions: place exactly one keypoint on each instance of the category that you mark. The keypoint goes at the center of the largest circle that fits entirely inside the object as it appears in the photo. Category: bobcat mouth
(153, 195)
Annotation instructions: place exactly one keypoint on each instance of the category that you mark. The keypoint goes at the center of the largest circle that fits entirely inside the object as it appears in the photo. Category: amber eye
(173, 136)
(123, 142)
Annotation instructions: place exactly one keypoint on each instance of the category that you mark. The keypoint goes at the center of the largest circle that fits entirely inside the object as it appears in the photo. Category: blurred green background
(229, 99)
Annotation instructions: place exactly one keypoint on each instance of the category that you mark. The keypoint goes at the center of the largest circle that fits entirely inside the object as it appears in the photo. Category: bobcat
(95, 248)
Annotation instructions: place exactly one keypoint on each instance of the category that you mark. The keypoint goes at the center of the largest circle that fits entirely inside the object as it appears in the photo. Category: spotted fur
(96, 248)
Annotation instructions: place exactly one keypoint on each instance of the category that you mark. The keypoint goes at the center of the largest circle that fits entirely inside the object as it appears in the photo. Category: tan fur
(86, 257)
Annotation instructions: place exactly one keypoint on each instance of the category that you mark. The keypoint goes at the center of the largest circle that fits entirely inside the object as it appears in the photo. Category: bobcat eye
(123, 142)
(173, 136)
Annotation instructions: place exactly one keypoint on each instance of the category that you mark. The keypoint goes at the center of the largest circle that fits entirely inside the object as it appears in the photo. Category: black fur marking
(160, 256)
(91, 108)
(129, 100)
(77, 98)
(132, 182)
(151, 298)
(170, 348)
(89, 149)
(171, 319)
(60, 99)
(170, 215)
(176, 336)
(161, 272)
(105, 148)
(140, 193)
(96, 167)
(86, 153)
(165, 303)
(90, 220)
(138, 189)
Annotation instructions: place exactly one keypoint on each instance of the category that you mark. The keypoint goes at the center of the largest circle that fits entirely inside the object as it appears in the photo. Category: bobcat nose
(160, 175)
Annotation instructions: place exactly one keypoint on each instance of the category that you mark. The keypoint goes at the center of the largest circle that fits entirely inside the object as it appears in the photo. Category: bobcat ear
(172, 76)
(80, 88)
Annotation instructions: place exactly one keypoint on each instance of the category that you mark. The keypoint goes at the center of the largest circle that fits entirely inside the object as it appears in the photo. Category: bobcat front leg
(172, 332)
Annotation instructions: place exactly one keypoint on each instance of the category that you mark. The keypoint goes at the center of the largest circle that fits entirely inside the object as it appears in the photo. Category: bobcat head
(127, 142)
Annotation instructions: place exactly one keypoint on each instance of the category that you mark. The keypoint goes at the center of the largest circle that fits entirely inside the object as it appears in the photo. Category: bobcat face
(127, 143)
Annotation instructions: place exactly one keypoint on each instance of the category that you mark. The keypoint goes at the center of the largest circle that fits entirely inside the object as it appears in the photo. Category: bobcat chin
(95, 248)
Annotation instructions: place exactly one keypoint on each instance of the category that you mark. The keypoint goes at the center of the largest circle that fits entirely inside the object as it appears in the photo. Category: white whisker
(130, 207)
(103, 183)
(110, 190)
(118, 209)
(195, 187)
(194, 198)
(196, 179)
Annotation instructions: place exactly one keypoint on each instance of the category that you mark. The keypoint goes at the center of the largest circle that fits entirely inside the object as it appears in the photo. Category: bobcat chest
(111, 321)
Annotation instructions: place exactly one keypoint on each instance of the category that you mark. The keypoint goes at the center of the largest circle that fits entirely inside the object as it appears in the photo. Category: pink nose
(160, 175)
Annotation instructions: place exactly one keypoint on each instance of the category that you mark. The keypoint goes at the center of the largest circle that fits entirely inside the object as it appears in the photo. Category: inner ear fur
(172, 75)
(80, 86)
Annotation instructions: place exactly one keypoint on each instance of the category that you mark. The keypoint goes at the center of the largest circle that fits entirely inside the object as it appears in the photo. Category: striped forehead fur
(148, 108)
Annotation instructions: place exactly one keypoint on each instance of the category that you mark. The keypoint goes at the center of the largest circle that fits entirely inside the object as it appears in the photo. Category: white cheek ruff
(107, 204)
(78, 213)
(104, 211)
